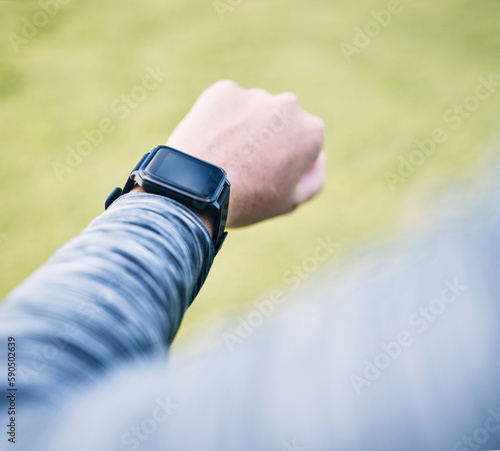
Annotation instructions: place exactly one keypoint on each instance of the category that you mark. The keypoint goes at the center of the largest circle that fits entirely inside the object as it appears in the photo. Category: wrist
(207, 218)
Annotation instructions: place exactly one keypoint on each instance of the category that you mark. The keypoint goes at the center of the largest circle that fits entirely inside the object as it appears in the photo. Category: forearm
(117, 292)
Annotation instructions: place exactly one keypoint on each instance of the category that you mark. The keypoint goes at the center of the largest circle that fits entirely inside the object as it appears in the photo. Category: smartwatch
(190, 181)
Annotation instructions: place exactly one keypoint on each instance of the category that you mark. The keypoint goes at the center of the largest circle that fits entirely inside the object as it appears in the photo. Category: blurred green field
(72, 72)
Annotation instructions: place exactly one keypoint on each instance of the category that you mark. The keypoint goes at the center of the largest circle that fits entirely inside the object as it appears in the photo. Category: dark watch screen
(185, 172)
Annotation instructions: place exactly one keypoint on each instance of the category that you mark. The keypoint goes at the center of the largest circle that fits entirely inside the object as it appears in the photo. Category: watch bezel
(218, 202)
(155, 184)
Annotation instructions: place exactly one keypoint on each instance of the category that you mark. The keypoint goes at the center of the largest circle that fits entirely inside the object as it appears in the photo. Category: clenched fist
(268, 145)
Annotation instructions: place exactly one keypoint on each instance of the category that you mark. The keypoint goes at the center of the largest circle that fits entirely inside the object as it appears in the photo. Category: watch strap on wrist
(220, 207)
(220, 222)
(117, 192)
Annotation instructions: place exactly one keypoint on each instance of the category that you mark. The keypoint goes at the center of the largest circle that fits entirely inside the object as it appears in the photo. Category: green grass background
(395, 91)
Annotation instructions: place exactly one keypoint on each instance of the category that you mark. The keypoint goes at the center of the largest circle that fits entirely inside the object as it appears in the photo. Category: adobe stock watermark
(480, 435)
(122, 107)
(363, 36)
(279, 121)
(265, 308)
(222, 7)
(106, 298)
(418, 323)
(40, 358)
(31, 26)
(454, 117)
(293, 446)
(136, 435)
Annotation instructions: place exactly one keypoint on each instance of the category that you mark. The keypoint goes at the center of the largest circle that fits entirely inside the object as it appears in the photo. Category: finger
(316, 134)
(312, 181)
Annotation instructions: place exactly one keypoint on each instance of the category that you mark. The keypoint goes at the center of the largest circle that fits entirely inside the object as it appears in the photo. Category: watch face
(184, 173)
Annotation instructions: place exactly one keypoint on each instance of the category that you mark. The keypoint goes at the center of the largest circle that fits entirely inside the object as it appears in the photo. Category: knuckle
(318, 142)
(317, 124)
(289, 98)
(317, 132)
(258, 92)
(225, 85)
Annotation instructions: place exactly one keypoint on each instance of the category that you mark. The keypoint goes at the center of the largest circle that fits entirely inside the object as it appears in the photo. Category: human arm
(119, 290)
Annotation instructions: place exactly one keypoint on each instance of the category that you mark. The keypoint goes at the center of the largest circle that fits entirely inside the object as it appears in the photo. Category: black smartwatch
(195, 183)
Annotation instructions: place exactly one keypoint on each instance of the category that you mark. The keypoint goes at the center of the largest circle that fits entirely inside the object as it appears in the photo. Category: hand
(268, 145)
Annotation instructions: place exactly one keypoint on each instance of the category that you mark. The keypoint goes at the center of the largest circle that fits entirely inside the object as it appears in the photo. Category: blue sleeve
(395, 350)
(115, 293)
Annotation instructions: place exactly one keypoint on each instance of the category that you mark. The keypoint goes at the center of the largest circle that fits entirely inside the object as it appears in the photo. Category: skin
(270, 148)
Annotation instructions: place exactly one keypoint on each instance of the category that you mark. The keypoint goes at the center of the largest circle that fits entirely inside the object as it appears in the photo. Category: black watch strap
(117, 192)
(221, 211)
(220, 207)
